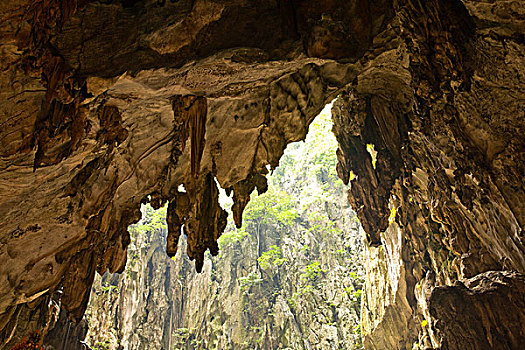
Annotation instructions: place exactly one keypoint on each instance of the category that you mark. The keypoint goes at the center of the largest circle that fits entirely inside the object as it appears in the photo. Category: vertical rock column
(197, 209)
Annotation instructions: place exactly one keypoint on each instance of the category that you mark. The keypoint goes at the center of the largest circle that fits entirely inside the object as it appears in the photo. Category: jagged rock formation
(135, 309)
(443, 201)
(89, 129)
(158, 303)
(290, 279)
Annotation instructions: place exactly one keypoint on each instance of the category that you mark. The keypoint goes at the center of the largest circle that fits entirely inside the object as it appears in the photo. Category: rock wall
(290, 279)
(440, 195)
(233, 303)
(96, 114)
(135, 309)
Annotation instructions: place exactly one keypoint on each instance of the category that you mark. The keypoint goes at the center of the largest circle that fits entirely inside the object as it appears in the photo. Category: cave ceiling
(105, 105)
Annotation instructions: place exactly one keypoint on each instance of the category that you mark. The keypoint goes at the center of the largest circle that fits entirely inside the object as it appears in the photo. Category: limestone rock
(88, 132)
(273, 286)
(437, 197)
(491, 303)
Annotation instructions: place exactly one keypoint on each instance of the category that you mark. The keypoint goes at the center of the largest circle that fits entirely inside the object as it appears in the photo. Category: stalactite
(193, 111)
(199, 214)
(241, 195)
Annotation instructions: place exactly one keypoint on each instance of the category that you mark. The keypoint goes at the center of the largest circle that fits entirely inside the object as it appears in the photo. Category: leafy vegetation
(180, 338)
(246, 283)
(152, 220)
(274, 207)
(109, 288)
(271, 258)
(231, 237)
(102, 346)
(311, 272)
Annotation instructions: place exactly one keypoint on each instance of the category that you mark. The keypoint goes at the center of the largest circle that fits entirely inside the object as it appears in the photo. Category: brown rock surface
(444, 198)
(92, 124)
(492, 304)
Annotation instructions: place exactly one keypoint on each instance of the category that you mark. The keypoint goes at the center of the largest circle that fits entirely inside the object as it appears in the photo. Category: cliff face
(104, 103)
(442, 196)
(234, 303)
(135, 309)
(290, 279)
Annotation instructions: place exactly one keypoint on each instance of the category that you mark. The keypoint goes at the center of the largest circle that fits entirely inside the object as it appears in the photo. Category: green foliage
(271, 258)
(232, 237)
(246, 283)
(340, 251)
(196, 342)
(301, 291)
(182, 332)
(180, 338)
(311, 272)
(109, 288)
(255, 329)
(321, 223)
(273, 207)
(353, 294)
(311, 166)
(102, 346)
(151, 220)
(358, 333)
(357, 330)
(357, 295)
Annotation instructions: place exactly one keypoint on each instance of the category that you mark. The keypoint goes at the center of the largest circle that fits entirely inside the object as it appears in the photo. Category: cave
(290, 278)
(106, 105)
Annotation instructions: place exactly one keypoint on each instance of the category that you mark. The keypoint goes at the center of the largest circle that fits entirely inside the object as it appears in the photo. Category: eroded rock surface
(442, 199)
(492, 303)
(291, 278)
(89, 130)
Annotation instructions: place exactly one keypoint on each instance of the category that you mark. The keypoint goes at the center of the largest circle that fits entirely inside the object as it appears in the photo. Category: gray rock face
(135, 309)
(290, 279)
(160, 303)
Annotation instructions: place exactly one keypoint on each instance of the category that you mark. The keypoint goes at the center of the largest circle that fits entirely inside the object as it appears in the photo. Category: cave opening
(99, 99)
(290, 277)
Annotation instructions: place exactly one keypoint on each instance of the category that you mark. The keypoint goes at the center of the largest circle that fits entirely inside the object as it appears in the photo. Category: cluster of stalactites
(197, 211)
